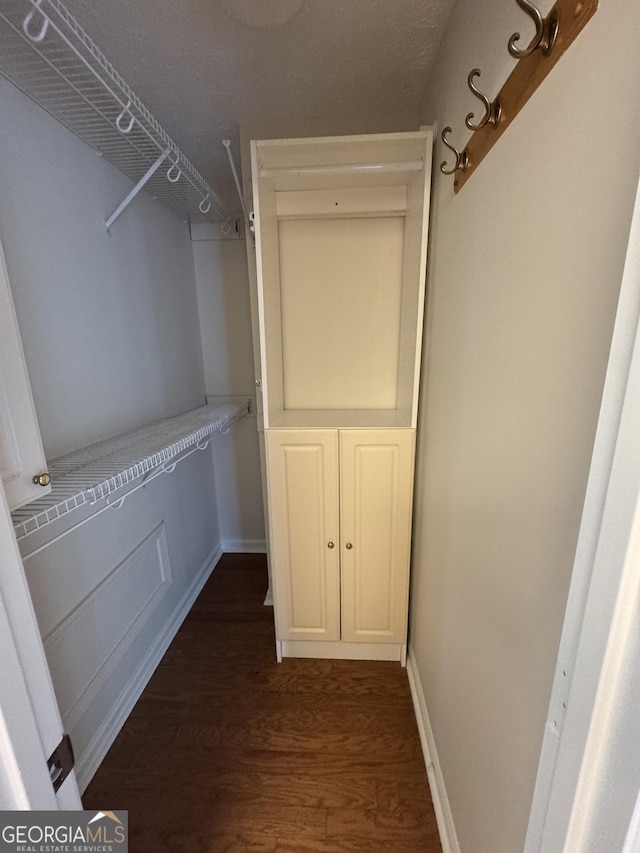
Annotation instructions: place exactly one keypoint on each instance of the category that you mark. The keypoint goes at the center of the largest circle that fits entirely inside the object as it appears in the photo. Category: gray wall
(524, 272)
(109, 322)
(110, 329)
(225, 322)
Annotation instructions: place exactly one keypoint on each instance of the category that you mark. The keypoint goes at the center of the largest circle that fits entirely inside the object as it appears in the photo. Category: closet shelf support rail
(45, 52)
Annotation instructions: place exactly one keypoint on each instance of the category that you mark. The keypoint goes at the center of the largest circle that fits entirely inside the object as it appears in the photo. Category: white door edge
(598, 576)
(30, 724)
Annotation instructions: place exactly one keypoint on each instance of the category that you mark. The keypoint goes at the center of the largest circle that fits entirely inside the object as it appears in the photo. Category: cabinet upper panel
(340, 299)
(341, 228)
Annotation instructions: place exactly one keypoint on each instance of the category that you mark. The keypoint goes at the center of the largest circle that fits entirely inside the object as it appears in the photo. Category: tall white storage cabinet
(341, 243)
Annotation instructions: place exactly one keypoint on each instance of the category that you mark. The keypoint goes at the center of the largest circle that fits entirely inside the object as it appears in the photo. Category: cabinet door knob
(348, 546)
(330, 545)
(42, 479)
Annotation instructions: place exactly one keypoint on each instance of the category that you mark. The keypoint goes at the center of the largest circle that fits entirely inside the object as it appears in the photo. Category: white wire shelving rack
(98, 476)
(47, 54)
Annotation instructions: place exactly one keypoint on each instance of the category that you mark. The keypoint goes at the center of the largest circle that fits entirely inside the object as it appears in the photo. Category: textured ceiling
(205, 66)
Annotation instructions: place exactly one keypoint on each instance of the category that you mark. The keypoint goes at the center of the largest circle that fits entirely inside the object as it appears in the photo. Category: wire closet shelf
(103, 475)
(47, 54)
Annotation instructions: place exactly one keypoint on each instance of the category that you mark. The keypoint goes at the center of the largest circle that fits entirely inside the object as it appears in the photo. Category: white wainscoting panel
(91, 757)
(444, 817)
(87, 645)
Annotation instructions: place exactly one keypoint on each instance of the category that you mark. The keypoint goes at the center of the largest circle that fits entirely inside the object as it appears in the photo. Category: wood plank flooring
(227, 750)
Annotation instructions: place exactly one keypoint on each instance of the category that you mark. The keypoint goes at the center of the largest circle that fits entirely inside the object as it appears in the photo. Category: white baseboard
(244, 546)
(446, 826)
(90, 759)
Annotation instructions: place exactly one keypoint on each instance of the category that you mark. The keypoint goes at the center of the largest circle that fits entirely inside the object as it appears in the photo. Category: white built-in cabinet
(341, 509)
(341, 239)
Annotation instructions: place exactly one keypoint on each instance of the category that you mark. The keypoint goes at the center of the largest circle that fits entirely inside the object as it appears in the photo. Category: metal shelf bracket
(139, 186)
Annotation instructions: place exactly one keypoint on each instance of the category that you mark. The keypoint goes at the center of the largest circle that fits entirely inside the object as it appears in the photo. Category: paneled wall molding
(88, 761)
(71, 643)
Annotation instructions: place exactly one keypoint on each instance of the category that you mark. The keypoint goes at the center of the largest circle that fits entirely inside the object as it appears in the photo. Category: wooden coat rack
(554, 35)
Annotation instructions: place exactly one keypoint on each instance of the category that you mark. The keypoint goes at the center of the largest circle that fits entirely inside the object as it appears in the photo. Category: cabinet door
(304, 518)
(21, 453)
(376, 499)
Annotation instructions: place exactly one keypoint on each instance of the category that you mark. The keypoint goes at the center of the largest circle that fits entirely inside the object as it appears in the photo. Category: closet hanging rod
(346, 169)
(236, 178)
(47, 54)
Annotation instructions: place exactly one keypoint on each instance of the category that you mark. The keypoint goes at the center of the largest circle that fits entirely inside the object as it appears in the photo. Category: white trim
(268, 599)
(422, 291)
(20, 745)
(597, 572)
(91, 758)
(243, 546)
(444, 817)
(595, 782)
(632, 841)
(30, 724)
(255, 172)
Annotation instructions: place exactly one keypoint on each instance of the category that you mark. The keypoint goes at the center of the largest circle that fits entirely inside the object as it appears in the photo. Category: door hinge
(61, 762)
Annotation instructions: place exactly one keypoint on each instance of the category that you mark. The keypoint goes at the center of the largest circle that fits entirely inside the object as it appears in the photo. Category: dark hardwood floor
(227, 750)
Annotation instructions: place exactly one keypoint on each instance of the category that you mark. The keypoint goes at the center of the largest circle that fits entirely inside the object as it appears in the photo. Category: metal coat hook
(205, 205)
(125, 112)
(546, 32)
(492, 111)
(173, 176)
(462, 158)
(26, 24)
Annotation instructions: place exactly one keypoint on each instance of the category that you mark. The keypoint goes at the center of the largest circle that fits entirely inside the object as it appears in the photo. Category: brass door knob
(42, 479)
(348, 546)
(330, 545)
